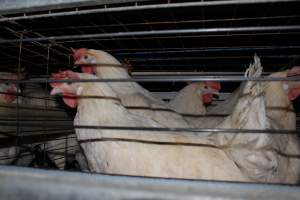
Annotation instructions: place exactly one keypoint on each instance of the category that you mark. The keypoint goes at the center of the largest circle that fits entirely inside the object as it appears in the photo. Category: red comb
(129, 65)
(214, 85)
(77, 53)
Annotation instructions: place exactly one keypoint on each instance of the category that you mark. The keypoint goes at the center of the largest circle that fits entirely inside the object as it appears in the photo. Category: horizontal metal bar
(23, 119)
(190, 58)
(158, 79)
(136, 74)
(145, 7)
(57, 120)
(208, 49)
(32, 107)
(189, 131)
(16, 6)
(32, 97)
(249, 34)
(193, 21)
(41, 136)
(30, 183)
(278, 33)
(158, 32)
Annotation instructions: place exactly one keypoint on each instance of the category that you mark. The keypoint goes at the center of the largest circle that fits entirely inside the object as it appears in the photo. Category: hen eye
(86, 57)
(205, 87)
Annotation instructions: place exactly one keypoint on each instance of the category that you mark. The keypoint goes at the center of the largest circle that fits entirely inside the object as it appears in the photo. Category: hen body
(134, 97)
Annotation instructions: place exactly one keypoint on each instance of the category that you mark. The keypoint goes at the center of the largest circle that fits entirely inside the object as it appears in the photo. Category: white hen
(144, 153)
(134, 97)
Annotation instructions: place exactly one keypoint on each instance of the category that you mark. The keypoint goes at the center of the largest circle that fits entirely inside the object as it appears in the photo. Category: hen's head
(208, 90)
(85, 58)
(292, 87)
(9, 90)
(90, 59)
(69, 91)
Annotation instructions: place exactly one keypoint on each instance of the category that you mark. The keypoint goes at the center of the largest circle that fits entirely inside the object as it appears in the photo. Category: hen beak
(212, 91)
(216, 95)
(56, 91)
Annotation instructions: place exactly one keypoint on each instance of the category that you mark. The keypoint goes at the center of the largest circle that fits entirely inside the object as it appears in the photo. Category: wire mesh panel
(164, 46)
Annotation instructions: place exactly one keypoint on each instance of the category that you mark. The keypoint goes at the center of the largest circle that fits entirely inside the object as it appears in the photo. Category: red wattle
(70, 99)
(10, 97)
(87, 69)
(294, 93)
(207, 98)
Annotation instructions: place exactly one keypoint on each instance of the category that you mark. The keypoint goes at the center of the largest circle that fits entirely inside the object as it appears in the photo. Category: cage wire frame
(216, 3)
(61, 40)
(19, 136)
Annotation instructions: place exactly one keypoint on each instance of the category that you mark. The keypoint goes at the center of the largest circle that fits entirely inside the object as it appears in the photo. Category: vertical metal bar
(66, 150)
(45, 100)
(203, 38)
(18, 98)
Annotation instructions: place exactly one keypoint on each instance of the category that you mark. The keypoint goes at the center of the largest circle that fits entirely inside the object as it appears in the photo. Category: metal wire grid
(147, 41)
(118, 23)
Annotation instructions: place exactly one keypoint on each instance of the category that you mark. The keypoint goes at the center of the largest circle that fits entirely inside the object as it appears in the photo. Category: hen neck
(188, 101)
(98, 99)
(275, 96)
(279, 107)
(111, 72)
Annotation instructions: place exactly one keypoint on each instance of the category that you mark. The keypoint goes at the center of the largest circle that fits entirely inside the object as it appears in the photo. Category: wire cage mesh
(166, 43)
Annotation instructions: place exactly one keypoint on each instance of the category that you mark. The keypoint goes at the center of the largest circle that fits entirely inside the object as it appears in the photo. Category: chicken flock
(158, 152)
(34, 101)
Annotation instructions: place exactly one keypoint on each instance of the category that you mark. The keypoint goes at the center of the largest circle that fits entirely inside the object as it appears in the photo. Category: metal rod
(183, 36)
(30, 183)
(189, 73)
(159, 32)
(35, 120)
(150, 23)
(159, 79)
(33, 107)
(31, 97)
(201, 66)
(144, 7)
(196, 50)
(136, 59)
(156, 129)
